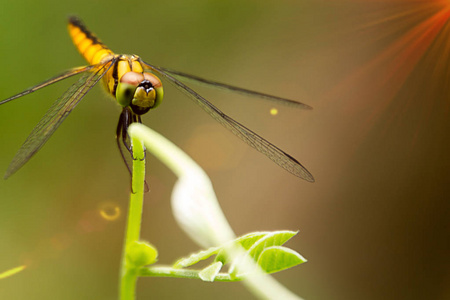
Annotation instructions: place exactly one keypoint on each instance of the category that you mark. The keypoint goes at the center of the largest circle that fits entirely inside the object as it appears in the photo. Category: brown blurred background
(373, 226)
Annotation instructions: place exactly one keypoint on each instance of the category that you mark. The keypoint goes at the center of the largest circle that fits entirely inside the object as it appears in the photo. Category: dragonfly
(137, 88)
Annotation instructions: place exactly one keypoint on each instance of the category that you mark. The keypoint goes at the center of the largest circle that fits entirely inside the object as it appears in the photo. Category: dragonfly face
(141, 92)
(135, 86)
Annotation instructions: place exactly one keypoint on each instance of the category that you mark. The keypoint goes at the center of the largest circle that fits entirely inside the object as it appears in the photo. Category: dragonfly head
(140, 92)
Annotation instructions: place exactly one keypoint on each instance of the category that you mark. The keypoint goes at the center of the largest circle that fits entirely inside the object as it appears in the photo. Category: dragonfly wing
(52, 80)
(55, 115)
(236, 89)
(277, 155)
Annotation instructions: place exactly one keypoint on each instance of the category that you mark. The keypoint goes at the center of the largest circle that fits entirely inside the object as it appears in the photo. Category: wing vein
(236, 89)
(52, 80)
(277, 155)
(56, 114)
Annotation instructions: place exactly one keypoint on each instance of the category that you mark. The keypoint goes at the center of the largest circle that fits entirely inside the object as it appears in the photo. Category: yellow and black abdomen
(90, 47)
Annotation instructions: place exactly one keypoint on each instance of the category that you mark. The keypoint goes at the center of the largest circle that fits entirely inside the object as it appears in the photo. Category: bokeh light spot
(110, 211)
(274, 111)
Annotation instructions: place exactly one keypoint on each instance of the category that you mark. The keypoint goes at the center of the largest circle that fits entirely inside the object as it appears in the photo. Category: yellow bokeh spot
(12, 271)
(110, 212)
(274, 111)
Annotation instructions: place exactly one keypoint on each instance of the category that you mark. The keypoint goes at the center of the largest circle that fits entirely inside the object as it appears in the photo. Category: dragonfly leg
(139, 120)
(120, 133)
(126, 118)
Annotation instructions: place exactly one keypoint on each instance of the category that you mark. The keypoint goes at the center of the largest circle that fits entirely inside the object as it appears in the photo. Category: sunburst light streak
(374, 84)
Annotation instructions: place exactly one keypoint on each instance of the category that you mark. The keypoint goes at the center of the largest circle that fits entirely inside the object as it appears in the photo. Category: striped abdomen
(92, 49)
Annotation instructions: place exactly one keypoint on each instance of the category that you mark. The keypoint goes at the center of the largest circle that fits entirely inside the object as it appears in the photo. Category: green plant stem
(165, 271)
(128, 272)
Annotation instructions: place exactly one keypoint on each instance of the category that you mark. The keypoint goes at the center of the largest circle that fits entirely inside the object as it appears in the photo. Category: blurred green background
(373, 226)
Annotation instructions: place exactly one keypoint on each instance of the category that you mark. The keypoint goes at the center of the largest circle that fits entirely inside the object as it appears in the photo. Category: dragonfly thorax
(140, 91)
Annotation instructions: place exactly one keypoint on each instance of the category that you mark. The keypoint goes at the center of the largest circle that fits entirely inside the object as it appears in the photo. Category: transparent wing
(56, 114)
(277, 155)
(52, 80)
(236, 89)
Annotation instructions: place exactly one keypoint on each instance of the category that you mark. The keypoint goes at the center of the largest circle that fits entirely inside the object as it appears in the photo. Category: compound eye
(127, 87)
(158, 88)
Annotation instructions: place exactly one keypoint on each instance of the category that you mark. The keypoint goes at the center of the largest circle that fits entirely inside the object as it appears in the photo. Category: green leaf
(277, 238)
(265, 248)
(246, 241)
(277, 258)
(250, 239)
(268, 239)
(209, 273)
(196, 257)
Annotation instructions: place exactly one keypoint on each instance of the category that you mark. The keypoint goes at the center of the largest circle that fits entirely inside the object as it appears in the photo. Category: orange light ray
(384, 75)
